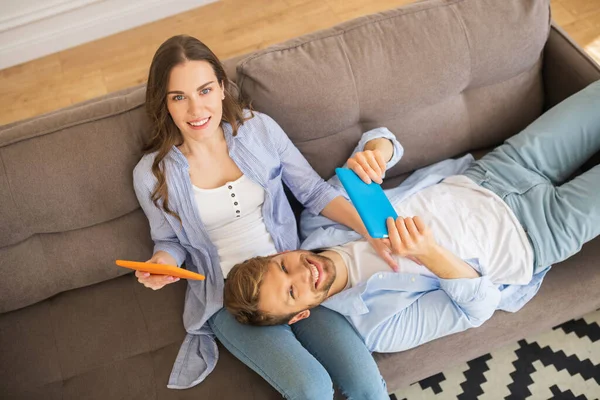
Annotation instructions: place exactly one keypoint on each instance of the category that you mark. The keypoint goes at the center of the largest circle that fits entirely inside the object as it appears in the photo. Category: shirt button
(237, 211)
(229, 187)
(380, 276)
(235, 203)
(232, 194)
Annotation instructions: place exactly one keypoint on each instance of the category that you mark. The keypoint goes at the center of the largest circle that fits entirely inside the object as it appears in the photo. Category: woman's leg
(333, 341)
(275, 354)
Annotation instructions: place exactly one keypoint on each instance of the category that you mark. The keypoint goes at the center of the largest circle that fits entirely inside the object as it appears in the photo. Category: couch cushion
(118, 339)
(68, 207)
(463, 74)
(112, 340)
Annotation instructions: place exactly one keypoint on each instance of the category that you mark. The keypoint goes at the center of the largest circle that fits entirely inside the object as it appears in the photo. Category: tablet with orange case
(160, 269)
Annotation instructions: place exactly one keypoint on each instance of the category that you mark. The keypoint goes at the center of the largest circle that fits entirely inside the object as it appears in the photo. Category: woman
(210, 184)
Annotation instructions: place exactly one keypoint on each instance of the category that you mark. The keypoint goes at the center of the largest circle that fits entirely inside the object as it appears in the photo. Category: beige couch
(447, 77)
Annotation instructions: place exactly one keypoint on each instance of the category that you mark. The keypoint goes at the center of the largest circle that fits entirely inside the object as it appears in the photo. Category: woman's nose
(195, 105)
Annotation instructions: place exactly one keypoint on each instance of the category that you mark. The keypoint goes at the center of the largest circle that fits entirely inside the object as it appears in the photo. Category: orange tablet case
(160, 269)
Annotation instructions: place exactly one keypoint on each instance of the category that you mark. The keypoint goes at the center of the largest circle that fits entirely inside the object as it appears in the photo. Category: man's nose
(304, 274)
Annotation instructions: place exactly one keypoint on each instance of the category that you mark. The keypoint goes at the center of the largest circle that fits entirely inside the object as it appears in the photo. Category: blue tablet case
(369, 200)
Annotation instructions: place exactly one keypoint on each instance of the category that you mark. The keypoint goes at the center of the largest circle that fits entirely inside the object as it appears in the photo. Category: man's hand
(156, 282)
(410, 237)
(383, 248)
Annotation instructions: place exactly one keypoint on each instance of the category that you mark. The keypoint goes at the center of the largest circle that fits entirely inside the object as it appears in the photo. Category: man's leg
(562, 139)
(526, 170)
(559, 220)
(333, 341)
(275, 354)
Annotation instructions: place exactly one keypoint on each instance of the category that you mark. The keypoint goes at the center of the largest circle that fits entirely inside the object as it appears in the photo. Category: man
(480, 240)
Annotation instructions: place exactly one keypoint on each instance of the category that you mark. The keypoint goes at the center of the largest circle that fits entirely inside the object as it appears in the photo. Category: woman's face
(195, 99)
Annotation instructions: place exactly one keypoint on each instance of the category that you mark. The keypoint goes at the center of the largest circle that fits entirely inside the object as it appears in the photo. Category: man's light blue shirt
(397, 311)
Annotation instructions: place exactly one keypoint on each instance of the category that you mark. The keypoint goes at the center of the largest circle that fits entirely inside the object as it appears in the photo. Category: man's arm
(463, 299)
(445, 264)
(410, 237)
(458, 305)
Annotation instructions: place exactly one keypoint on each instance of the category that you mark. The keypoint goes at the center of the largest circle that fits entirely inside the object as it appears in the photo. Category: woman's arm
(167, 249)
(383, 145)
(162, 233)
(299, 176)
(370, 164)
(314, 193)
(310, 189)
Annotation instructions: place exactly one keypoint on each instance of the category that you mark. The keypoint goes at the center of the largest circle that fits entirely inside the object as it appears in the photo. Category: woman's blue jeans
(302, 361)
(532, 173)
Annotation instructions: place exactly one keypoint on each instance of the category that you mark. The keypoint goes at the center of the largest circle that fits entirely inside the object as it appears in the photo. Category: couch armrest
(567, 68)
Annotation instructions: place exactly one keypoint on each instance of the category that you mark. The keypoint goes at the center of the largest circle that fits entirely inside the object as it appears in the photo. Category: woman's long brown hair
(165, 133)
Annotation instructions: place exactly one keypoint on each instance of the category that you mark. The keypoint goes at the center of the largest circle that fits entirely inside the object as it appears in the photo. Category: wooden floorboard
(229, 27)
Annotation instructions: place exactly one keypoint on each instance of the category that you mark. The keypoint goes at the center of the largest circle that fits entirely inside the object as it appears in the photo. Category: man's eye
(283, 268)
(292, 293)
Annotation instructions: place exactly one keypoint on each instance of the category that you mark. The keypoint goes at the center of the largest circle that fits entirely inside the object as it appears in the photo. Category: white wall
(31, 29)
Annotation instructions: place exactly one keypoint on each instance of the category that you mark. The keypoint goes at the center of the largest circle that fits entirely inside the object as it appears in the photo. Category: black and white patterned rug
(563, 363)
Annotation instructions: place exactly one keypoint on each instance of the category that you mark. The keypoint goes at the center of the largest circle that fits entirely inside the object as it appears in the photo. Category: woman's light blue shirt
(265, 154)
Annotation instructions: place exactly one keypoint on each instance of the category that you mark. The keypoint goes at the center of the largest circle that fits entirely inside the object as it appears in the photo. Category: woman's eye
(205, 91)
(292, 293)
(283, 268)
(178, 97)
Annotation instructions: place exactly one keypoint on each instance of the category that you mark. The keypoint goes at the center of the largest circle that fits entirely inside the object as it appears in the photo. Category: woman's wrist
(341, 210)
(383, 145)
(163, 257)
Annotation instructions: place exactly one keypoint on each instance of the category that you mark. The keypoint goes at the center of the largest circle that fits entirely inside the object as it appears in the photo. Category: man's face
(295, 281)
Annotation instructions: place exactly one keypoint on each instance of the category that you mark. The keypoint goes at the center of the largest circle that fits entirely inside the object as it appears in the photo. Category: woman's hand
(368, 165)
(156, 282)
(383, 248)
(410, 237)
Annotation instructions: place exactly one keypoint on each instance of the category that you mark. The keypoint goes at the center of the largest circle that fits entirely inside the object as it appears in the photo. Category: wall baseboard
(36, 38)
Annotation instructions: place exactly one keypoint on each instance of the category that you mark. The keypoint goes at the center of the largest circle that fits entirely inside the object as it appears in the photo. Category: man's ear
(300, 316)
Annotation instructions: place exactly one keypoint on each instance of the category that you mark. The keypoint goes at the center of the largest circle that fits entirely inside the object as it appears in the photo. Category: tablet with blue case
(369, 200)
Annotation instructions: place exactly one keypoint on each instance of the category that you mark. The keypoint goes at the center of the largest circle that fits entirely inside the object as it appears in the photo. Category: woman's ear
(300, 316)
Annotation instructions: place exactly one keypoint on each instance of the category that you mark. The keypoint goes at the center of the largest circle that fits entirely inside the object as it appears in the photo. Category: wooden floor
(229, 27)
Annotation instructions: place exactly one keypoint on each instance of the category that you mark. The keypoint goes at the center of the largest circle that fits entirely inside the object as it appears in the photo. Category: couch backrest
(445, 76)
(66, 200)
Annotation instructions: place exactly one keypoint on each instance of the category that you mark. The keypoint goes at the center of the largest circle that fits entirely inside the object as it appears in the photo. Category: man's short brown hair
(242, 289)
